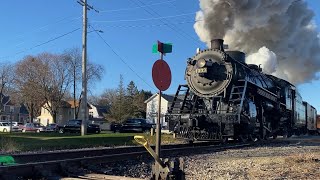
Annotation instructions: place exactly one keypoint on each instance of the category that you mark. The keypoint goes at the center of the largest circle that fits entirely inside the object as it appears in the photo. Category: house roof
(168, 97)
(5, 99)
(65, 104)
(73, 104)
(70, 104)
(23, 109)
(101, 109)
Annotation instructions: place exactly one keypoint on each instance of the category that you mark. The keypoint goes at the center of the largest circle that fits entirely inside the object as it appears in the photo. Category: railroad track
(47, 164)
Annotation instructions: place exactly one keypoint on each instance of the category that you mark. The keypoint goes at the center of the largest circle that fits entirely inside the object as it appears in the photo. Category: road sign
(162, 48)
(161, 75)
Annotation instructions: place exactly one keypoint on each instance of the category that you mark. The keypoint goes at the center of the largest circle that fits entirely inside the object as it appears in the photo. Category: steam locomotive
(226, 98)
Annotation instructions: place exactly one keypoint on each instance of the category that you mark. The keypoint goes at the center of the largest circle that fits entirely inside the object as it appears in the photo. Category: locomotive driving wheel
(243, 138)
(251, 138)
(224, 140)
(286, 133)
(262, 134)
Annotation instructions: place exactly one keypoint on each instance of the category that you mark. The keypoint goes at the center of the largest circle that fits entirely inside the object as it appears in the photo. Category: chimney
(217, 44)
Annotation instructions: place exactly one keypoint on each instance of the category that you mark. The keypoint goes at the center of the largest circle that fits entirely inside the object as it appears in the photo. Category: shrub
(8, 145)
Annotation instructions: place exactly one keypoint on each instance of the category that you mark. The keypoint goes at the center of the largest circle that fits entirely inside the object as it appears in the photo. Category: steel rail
(32, 169)
(69, 154)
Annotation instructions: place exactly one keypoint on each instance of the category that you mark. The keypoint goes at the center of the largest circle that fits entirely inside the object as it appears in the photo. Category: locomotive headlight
(201, 63)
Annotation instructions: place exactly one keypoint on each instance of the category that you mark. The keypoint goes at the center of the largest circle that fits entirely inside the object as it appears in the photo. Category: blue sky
(129, 30)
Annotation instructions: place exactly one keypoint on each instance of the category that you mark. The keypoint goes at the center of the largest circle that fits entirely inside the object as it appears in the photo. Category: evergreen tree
(139, 102)
(118, 108)
(132, 92)
(125, 103)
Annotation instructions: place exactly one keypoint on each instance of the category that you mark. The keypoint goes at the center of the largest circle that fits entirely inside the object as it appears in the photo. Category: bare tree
(43, 80)
(108, 97)
(27, 83)
(73, 57)
(6, 77)
(94, 73)
(58, 81)
(6, 80)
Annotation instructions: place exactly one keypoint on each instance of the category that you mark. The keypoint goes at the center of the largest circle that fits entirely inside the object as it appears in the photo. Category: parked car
(19, 125)
(53, 127)
(33, 127)
(136, 125)
(74, 125)
(115, 127)
(5, 127)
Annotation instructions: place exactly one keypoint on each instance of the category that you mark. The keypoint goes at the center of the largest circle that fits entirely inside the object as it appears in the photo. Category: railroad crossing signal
(161, 75)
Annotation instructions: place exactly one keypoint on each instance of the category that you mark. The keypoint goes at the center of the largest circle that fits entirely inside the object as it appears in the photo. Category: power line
(126, 9)
(171, 26)
(144, 19)
(58, 37)
(43, 43)
(151, 25)
(72, 18)
(122, 59)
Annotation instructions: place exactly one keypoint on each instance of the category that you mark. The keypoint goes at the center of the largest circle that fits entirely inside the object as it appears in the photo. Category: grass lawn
(54, 141)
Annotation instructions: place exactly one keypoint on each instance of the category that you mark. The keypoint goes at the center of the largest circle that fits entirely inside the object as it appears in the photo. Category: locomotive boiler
(225, 97)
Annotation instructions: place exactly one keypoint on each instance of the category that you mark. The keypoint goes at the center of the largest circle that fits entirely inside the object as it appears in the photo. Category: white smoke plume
(286, 27)
(264, 57)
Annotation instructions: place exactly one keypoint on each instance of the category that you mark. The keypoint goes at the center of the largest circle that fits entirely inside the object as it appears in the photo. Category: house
(97, 116)
(67, 110)
(152, 107)
(65, 113)
(96, 112)
(12, 111)
(23, 115)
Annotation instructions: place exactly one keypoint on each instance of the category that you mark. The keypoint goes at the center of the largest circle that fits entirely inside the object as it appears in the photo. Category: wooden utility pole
(83, 107)
(84, 71)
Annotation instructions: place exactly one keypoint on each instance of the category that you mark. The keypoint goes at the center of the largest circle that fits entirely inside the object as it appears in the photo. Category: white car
(5, 127)
(17, 125)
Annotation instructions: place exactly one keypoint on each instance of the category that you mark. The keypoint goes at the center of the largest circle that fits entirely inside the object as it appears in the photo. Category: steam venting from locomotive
(279, 35)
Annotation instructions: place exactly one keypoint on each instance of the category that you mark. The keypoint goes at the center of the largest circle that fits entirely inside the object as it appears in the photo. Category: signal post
(161, 75)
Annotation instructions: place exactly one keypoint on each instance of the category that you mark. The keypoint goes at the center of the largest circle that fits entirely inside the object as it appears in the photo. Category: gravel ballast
(298, 160)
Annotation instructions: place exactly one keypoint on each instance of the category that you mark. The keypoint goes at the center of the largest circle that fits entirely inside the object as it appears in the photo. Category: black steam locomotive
(227, 98)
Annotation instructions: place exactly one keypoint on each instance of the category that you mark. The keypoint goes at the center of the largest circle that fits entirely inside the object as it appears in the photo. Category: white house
(96, 112)
(152, 107)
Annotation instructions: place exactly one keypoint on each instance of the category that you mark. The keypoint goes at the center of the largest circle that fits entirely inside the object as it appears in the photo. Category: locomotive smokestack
(217, 44)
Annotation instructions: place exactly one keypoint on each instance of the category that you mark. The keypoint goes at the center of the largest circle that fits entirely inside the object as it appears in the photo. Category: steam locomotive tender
(225, 97)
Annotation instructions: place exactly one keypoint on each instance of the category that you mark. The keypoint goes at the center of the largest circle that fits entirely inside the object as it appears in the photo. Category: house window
(7, 109)
(12, 109)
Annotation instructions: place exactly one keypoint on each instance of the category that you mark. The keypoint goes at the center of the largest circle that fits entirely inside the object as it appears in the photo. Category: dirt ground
(293, 158)
(298, 160)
